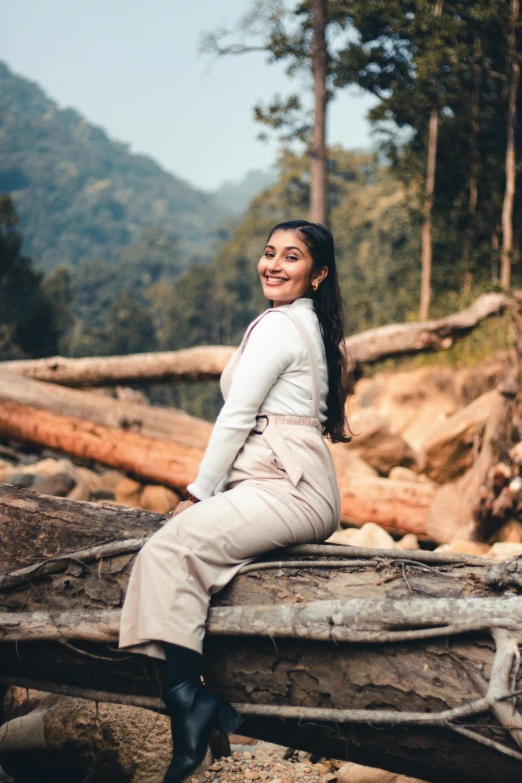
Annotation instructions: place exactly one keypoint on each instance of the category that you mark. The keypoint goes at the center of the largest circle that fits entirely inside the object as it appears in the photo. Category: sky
(134, 68)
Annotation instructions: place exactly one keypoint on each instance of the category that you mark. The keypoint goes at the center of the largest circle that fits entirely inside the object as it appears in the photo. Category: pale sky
(134, 69)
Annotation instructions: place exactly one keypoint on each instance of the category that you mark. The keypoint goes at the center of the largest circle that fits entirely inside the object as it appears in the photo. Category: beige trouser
(198, 552)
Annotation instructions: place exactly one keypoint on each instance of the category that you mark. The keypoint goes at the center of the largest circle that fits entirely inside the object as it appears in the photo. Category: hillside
(81, 194)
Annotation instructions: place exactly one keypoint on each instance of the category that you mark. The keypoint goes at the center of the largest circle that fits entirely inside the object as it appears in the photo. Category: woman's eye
(268, 254)
(292, 258)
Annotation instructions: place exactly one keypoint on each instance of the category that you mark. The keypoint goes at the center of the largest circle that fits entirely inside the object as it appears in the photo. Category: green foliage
(83, 195)
(28, 327)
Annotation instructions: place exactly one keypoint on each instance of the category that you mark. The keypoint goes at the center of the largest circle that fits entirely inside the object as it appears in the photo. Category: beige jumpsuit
(281, 490)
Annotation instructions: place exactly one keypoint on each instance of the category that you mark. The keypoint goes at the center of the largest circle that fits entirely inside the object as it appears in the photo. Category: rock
(128, 492)
(22, 480)
(86, 482)
(59, 484)
(448, 452)
(347, 463)
(415, 402)
(102, 494)
(159, 499)
(369, 535)
(355, 773)
(321, 769)
(510, 533)
(503, 550)
(409, 541)
(400, 473)
(465, 548)
(109, 479)
(378, 444)
(49, 466)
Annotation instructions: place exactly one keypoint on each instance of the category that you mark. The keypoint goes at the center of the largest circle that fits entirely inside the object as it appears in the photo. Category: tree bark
(369, 346)
(157, 461)
(385, 658)
(429, 190)
(509, 193)
(319, 52)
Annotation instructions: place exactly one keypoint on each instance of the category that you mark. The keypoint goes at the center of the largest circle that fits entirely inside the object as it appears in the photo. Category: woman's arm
(271, 347)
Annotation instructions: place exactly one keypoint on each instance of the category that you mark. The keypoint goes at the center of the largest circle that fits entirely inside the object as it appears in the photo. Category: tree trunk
(319, 52)
(509, 194)
(190, 364)
(209, 361)
(157, 461)
(429, 189)
(385, 658)
(150, 421)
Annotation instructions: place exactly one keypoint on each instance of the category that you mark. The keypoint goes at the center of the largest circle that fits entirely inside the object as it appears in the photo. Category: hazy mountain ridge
(83, 195)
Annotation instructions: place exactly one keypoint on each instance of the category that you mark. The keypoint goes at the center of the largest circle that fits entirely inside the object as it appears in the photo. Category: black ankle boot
(194, 711)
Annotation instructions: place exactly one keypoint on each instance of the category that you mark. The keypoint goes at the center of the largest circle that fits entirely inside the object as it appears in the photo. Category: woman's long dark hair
(328, 304)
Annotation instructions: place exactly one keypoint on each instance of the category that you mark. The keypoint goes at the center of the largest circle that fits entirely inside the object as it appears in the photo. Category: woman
(266, 480)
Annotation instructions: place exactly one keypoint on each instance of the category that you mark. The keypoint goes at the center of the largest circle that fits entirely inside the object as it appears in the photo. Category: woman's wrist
(191, 497)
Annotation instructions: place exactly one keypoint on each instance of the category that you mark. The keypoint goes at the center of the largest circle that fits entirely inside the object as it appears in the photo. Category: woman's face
(285, 268)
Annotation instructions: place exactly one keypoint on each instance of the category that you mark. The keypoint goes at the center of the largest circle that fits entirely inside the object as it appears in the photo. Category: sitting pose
(266, 481)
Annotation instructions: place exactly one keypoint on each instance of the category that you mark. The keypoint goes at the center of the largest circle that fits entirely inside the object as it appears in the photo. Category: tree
(299, 35)
(28, 327)
(130, 327)
(513, 74)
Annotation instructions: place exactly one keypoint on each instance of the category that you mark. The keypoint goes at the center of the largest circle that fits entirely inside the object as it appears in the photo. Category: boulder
(355, 773)
(415, 402)
(405, 474)
(347, 463)
(159, 499)
(58, 484)
(86, 482)
(409, 541)
(449, 451)
(128, 492)
(503, 550)
(369, 535)
(378, 444)
(465, 548)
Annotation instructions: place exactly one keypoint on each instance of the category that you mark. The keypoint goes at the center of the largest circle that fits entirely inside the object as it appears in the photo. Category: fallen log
(401, 660)
(206, 362)
(153, 422)
(397, 506)
(158, 461)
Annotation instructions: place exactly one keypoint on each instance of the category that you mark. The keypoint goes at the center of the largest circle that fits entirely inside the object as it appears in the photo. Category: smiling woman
(266, 480)
(287, 270)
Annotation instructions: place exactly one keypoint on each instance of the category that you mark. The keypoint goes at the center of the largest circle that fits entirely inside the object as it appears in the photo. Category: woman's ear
(318, 277)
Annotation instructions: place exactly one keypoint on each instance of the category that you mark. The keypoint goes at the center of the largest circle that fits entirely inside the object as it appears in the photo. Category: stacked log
(320, 647)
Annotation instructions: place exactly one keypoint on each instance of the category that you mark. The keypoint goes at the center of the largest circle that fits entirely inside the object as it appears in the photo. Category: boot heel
(229, 720)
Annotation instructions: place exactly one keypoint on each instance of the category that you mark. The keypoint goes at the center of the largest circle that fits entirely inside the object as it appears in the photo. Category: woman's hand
(179, 508)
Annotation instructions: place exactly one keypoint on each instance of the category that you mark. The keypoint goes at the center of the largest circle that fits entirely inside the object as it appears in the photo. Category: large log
(400, 660)
(400, 507)
(158, 461)
(207, 362)
(148, 420)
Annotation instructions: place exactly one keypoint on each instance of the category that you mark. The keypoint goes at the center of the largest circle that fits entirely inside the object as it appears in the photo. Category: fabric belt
(270, 427)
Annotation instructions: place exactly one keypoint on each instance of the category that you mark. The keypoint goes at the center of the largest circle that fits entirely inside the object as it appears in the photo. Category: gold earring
(315, 286)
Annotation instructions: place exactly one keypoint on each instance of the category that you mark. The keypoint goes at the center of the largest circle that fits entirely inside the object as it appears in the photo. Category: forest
(422, 225)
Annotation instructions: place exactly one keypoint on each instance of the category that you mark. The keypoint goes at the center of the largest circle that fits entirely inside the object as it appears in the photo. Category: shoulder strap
(308, 345)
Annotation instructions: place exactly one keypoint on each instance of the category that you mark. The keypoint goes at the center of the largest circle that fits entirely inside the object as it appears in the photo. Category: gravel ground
(267, 762)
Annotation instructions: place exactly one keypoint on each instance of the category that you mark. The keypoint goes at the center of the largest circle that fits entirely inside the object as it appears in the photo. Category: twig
(474, 735)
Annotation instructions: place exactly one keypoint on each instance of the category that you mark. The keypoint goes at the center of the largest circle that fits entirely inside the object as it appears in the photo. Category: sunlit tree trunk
(426, 257)
(509, 194)
(318, 201)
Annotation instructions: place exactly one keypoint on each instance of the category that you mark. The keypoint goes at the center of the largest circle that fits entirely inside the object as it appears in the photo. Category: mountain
(236, 196)
(82, 195)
